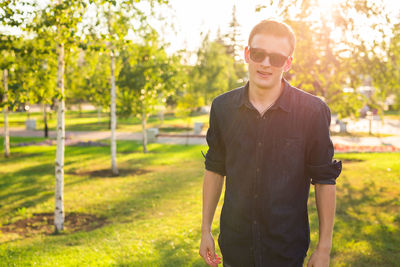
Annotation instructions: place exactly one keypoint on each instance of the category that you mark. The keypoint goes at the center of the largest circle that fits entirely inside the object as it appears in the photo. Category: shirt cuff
(324, 174)
(216, 167)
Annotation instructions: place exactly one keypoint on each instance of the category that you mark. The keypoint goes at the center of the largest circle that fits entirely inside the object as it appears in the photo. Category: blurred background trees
(336, 57)
(112, 48)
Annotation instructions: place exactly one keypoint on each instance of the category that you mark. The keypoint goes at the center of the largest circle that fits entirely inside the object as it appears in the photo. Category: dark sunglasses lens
(257, 55)
(277, 60)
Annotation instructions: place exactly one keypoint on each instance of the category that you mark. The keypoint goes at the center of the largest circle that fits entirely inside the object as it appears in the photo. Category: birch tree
(60, 20)
(13, 91)
(10, 19)
(113, 28)
(117, 18)
(6, 54)
(147, 78)
(5, 112)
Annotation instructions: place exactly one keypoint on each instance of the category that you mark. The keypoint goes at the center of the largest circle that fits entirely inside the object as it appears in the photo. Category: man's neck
(263, 98)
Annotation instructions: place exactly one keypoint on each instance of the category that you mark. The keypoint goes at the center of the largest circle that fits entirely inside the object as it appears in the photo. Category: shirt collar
(283, 102)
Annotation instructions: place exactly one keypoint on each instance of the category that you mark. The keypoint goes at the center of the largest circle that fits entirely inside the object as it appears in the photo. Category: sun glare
(323, 10)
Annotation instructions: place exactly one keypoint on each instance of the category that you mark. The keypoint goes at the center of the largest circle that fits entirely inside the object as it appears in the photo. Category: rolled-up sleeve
(215, 157)
(319, 165)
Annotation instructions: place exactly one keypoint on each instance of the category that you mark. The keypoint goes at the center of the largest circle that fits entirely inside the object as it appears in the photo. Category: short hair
(274, 28)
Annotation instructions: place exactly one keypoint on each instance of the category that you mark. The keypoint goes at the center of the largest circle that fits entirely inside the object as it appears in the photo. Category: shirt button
(255, 196)
(258, 170)
(259, 144)
(255, 222)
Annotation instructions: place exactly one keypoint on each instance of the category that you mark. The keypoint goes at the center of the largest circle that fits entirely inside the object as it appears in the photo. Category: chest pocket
(289, 159)
(290, 150)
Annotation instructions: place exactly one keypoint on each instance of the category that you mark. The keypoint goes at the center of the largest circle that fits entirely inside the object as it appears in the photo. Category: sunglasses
(258, 55)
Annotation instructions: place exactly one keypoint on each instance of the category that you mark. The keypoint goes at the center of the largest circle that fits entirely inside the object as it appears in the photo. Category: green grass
(367, 228)
(88, 121)
(153, 218)
(392, 114)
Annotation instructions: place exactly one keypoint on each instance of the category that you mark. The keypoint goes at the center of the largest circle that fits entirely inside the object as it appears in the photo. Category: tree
(373, 57)
(147, 78)
(5, 65)
(214, 72)
(235, 50)
(59, 21)
(384, 69)
(37, 72)
(188, 102)
(116, 19)
(10, 18)
(88, 77)
(331, 52)
(393, 64)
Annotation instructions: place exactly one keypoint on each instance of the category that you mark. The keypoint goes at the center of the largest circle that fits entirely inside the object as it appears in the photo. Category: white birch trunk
(59, 190)
(144, 132)
(5, 112)
(113, 118)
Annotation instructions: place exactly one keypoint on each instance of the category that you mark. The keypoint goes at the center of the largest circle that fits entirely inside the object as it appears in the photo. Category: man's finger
(213, 258)
(210, 262)
(206, 255)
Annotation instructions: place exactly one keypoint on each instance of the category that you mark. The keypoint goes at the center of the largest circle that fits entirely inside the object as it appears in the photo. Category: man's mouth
(264, 73)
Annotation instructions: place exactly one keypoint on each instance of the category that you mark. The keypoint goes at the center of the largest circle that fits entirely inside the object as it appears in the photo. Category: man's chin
(266, 85)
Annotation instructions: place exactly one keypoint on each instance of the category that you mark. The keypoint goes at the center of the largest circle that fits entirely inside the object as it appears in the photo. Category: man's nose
(266, 62)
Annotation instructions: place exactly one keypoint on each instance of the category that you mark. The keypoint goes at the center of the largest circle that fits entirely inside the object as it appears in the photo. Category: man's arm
(325, 197)
(212, 187)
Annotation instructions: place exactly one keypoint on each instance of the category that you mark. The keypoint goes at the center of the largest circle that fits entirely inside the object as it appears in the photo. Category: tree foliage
(214, 72)
(148, 77)
(333, 53)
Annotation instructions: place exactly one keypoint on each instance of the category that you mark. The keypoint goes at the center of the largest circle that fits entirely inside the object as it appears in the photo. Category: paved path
(101, 135)
(367, 141)
(388, 126)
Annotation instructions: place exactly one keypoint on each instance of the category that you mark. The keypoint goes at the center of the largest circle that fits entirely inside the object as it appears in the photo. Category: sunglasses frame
(272, 57)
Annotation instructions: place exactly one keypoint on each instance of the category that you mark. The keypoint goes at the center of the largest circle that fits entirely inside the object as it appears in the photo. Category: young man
(271, 141)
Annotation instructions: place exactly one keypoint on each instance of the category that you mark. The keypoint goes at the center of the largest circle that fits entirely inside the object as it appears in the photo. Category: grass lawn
(151, 214)
(392, 114)
(88, 121)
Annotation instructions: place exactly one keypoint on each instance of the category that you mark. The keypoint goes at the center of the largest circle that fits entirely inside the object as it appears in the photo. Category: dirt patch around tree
(43, 223)
(106, 173)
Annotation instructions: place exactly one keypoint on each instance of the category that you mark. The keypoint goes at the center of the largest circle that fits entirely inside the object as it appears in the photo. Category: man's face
(262, 74)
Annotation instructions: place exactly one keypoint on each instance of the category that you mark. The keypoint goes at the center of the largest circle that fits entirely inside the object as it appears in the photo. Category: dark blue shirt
(269, 163)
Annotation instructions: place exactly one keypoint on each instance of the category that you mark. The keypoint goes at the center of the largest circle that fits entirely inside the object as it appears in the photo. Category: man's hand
(320, 258)
(212, 188)
(207, 250)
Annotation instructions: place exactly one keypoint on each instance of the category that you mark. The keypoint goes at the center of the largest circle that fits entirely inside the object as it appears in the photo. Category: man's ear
(288, 64)
(246, 54)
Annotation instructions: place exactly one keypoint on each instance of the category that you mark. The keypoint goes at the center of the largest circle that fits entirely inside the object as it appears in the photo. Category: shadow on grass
(148, 193)
(18, 156)
(29, 186)
(24, 184)
(359, 222)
